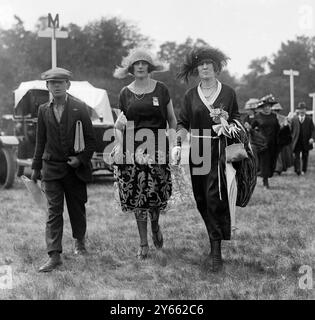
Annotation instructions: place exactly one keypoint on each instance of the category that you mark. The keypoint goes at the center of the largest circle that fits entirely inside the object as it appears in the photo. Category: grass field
(275, 238)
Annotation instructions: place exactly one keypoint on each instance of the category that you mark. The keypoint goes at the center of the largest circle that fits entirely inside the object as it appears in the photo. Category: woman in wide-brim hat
(267, 124)
(203, 108)
(143, 175)
(250, 107)
(139, 54)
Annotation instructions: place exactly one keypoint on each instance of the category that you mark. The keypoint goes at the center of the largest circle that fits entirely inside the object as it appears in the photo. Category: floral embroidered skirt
(144, 188)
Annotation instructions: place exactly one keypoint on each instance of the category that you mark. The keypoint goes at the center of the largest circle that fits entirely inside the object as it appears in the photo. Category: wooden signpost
(292, 74)
(312, 95)
(53, 33)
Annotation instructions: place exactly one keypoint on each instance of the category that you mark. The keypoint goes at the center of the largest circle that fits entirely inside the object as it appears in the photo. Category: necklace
(140, 96)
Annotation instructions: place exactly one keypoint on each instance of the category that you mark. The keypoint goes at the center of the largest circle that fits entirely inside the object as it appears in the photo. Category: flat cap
(56, 74)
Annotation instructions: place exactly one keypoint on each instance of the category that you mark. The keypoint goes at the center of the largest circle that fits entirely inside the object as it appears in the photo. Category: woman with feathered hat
(144, 177)
(208, 110)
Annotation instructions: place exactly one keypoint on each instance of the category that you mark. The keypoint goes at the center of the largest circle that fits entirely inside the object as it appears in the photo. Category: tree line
(93, 51)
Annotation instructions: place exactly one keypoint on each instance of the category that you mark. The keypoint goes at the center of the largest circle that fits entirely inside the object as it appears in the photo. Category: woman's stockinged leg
(154, 217)
(142, 222)
(157, 236)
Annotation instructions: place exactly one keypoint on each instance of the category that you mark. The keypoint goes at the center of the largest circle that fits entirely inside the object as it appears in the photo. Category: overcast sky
(243, 29)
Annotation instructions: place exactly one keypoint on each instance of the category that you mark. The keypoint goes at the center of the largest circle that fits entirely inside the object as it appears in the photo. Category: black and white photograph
(157, 155)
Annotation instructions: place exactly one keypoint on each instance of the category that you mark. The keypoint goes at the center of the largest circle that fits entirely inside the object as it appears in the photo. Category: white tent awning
(95, 98)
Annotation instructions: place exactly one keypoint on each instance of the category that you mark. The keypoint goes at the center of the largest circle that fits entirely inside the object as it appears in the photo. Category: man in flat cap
(63, 168)
(303, 135)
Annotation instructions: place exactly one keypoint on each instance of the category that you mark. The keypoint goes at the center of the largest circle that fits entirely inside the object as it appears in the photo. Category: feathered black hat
(267, 100)
(199, 54)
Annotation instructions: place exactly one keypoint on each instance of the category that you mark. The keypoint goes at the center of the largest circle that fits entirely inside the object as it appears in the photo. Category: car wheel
(7, 168)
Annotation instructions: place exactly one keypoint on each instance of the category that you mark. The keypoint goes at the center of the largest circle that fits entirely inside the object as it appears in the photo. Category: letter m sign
(53, 23)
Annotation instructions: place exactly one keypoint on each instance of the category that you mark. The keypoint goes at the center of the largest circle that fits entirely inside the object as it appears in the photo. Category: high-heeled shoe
(143, 252)
(157, 238)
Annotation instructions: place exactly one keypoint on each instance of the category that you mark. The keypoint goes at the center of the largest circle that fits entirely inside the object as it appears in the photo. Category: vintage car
(20, 147)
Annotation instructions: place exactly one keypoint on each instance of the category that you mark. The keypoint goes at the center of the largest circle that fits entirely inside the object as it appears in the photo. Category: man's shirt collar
(52, 101)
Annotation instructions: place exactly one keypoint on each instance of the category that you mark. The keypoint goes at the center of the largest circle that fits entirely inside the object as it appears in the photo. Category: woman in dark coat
(202, 109)
(285, 153)
(267, 124)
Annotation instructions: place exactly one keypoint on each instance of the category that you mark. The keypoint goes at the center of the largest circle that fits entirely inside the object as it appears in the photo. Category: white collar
(209, 103)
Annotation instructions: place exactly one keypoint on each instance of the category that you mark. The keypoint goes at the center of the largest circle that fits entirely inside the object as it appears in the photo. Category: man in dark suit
(302, 138)
(64, 168)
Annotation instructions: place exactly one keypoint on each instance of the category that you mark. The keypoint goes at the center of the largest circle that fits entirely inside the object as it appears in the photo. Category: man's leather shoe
(52, 263)
(79, 247)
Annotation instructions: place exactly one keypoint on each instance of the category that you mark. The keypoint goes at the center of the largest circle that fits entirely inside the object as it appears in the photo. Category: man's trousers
(74, 191)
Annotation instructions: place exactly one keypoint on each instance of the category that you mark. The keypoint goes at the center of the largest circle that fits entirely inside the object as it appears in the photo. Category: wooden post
(312, 95)
(53, 33)
(291, 73)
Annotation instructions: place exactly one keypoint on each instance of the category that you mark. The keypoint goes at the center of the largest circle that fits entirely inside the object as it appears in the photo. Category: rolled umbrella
(232, 192)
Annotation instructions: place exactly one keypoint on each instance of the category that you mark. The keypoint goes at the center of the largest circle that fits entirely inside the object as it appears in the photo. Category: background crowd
(278, 141)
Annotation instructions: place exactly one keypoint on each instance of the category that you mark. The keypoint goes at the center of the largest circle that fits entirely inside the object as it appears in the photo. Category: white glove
(176, 155)
(121, 121)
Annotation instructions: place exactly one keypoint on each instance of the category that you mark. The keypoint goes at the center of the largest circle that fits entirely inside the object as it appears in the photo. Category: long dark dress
(209, 190)
(145, 186)
(285, 155)
(249, 119)
(268, 125)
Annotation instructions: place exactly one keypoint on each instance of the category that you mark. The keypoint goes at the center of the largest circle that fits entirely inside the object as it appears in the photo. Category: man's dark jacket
(55, 141)
(307, 130)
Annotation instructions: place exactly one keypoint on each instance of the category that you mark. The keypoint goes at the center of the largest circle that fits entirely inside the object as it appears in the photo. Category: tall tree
(266, 74)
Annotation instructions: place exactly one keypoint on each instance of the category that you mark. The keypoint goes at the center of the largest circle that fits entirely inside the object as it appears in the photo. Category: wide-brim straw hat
(139, 54)
(276, 107)
(251, 104)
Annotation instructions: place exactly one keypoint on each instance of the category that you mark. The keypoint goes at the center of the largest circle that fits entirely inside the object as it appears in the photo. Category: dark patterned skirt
(144, 189)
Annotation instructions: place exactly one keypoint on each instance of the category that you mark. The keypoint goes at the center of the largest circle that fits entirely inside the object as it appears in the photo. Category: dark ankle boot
(266, 183)
(215, 256)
